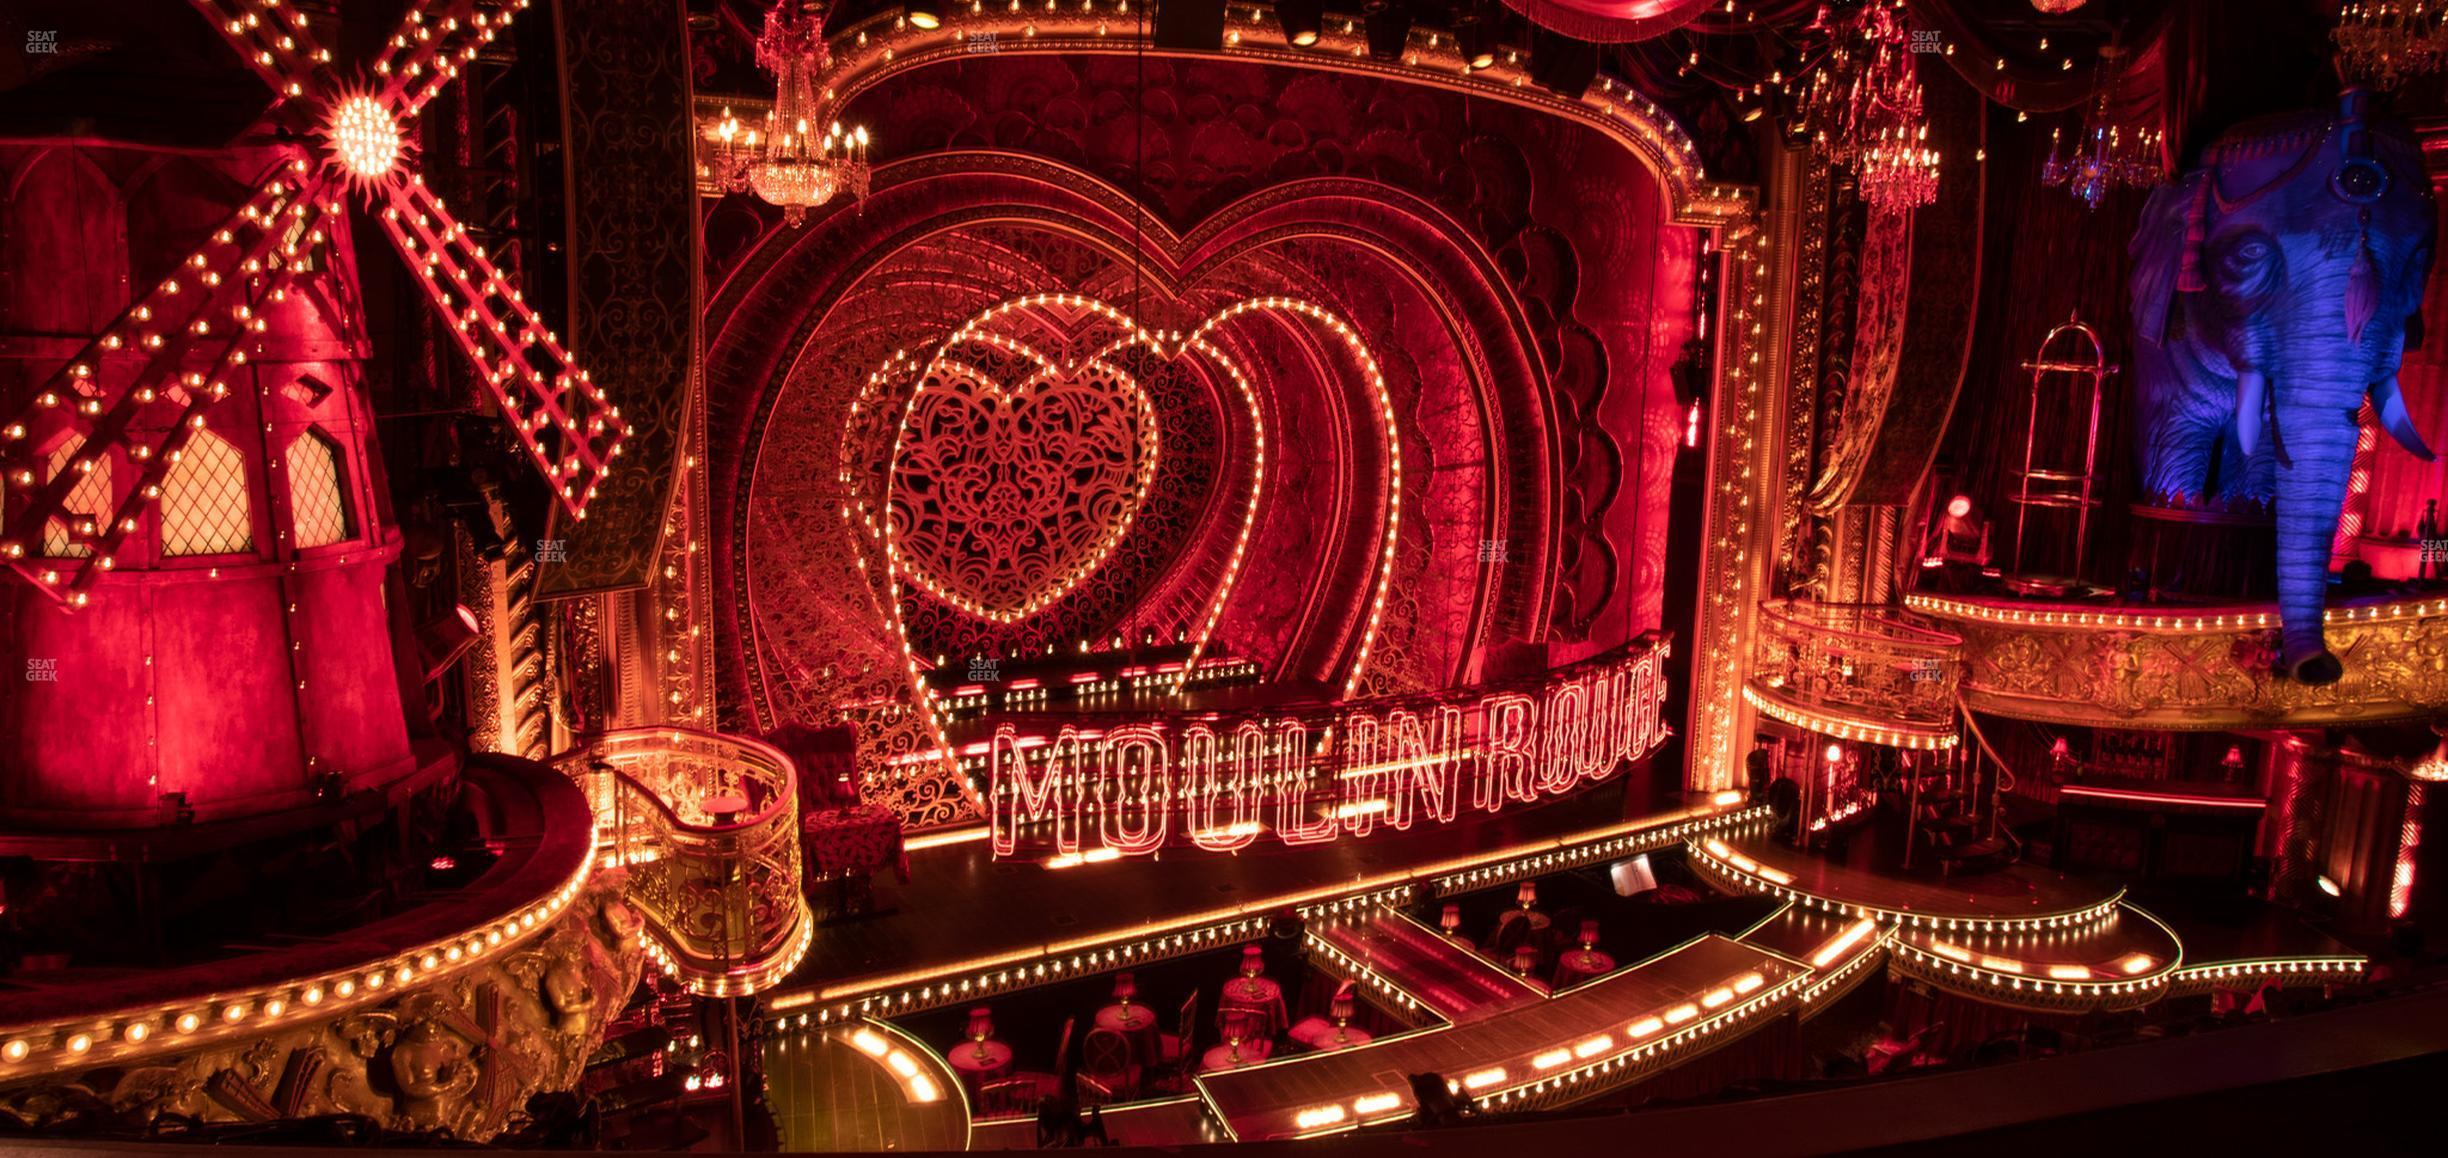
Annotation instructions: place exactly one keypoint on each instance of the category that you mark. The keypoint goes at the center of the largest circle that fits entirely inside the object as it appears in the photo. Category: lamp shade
(1527, 894)
(1452, 919)
(1589, 934)
(1125, 987)
(1252, 962)
(1345, 1001)
(1525, 959)
(981, 1023)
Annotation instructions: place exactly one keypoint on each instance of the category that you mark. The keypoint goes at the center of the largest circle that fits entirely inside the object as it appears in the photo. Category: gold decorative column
(1745, 501)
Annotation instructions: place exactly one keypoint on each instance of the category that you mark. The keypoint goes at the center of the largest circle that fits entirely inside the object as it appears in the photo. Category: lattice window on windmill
(318, 500)
(204, 500)
(90, 500)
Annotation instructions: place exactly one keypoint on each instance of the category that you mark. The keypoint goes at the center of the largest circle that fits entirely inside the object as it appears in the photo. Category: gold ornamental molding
(1855, 672)
(887, 45)
(2198, 670)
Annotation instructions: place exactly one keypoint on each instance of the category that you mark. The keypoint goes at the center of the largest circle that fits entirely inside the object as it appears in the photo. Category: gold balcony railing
(1857, 672)
(708, 827)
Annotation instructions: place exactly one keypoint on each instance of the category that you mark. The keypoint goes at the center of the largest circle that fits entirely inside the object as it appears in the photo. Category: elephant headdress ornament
(2274, 288)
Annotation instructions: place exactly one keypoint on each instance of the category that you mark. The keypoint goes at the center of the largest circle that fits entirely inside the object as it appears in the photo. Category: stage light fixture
(1301, 21)
(442, 640)
(1562, 64)
(923, 13)
(1190, 24)
(1389, 28)
(1475, 33)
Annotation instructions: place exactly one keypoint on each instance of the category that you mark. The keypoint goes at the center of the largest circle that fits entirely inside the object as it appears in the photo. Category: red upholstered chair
(1177, 1053)
(1010, 1097)
(1249, 1027)
(1107, 1071)
(1050, 1085)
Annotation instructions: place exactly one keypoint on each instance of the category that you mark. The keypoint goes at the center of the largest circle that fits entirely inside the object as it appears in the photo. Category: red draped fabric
(1611, 21)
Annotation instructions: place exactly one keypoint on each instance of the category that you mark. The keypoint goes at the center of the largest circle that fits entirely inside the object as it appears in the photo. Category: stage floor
(963, 905)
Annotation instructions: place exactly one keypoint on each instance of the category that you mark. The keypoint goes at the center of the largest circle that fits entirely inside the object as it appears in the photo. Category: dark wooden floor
(1860, 877)
(962, 904)
(1263, 1101)
(827, 1096)
(1173, 1122)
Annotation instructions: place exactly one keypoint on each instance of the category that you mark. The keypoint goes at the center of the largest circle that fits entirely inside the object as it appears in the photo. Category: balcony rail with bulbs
(708, 826)
(1856, 672)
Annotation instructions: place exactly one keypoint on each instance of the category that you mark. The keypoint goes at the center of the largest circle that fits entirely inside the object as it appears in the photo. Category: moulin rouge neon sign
(1218, 782)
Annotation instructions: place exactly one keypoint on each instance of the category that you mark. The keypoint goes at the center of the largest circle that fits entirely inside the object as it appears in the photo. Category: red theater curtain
(1611, 21)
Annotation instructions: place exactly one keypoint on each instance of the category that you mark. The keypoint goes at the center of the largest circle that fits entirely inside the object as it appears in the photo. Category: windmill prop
(145, 383)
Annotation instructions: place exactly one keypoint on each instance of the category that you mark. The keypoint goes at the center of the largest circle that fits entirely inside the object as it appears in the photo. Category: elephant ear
(2158, 250)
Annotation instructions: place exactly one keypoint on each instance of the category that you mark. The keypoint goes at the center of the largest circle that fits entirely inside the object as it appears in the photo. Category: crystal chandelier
(1863, 105)
(2104, 155)
(2386, 41)
(800, 160)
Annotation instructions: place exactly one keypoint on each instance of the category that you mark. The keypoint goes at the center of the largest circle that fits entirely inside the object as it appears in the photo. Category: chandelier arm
(273, 38)
(434, 40)
(531, 376)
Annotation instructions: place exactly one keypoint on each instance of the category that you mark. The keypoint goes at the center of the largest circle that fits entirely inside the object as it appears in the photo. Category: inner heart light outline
(923, 693)
(1067, 551)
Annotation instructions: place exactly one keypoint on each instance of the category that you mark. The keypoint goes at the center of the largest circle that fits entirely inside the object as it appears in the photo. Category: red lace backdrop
(1531, 410)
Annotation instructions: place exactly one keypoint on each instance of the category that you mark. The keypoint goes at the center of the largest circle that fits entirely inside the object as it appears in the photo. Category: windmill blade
(558, 412)
(274, 38)
(203, 308)
(220, 338)
(434, 40)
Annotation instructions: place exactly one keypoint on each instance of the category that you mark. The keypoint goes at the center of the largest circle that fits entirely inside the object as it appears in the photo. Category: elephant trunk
(2319, 446)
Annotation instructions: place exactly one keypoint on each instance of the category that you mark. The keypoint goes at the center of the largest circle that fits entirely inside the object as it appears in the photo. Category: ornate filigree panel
(1005, 497)
(2211, 669)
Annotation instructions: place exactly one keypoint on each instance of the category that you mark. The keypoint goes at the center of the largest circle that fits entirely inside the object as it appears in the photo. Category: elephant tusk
(2390, 402)
(2252, 408)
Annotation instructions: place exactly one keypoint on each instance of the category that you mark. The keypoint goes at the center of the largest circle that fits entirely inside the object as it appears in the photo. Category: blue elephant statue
(2273, 289)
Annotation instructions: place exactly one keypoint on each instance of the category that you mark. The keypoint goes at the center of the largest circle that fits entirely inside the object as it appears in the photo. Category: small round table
(1220, 1058)
(1319, 1034)
(977, 1070)
(1140, 1027)
(1259, 995)
(1581, 965)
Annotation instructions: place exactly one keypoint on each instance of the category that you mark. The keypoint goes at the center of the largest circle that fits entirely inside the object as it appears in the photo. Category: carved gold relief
(2214, 669)
(462, 1054)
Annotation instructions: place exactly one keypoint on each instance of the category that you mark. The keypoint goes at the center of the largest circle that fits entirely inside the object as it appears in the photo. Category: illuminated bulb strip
(869, 53)
(1717, 858)
(1600, 1058)
(419, 66)
(1389, 429)
(498, 339)
(2230, 619)
(958, 981)
(274, 40)
(1843, 942)
(1855, 728)
(160, 327)
(138, 1033)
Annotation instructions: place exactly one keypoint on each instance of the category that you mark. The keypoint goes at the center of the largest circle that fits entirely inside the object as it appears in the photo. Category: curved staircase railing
(708, 827)
(1856, 671)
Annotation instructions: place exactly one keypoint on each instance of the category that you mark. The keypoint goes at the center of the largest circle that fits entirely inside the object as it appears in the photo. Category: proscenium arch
(1444, 264)
(886, 46)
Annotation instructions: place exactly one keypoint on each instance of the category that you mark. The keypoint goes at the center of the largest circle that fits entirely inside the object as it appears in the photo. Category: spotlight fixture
(923, 13)
(1389, 28)
(1301, 20)
(1562, 64)
(1197, 25)
(1475, 33)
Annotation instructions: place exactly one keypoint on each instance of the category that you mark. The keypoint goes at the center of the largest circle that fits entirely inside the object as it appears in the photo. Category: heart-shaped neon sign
(1004, 499)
